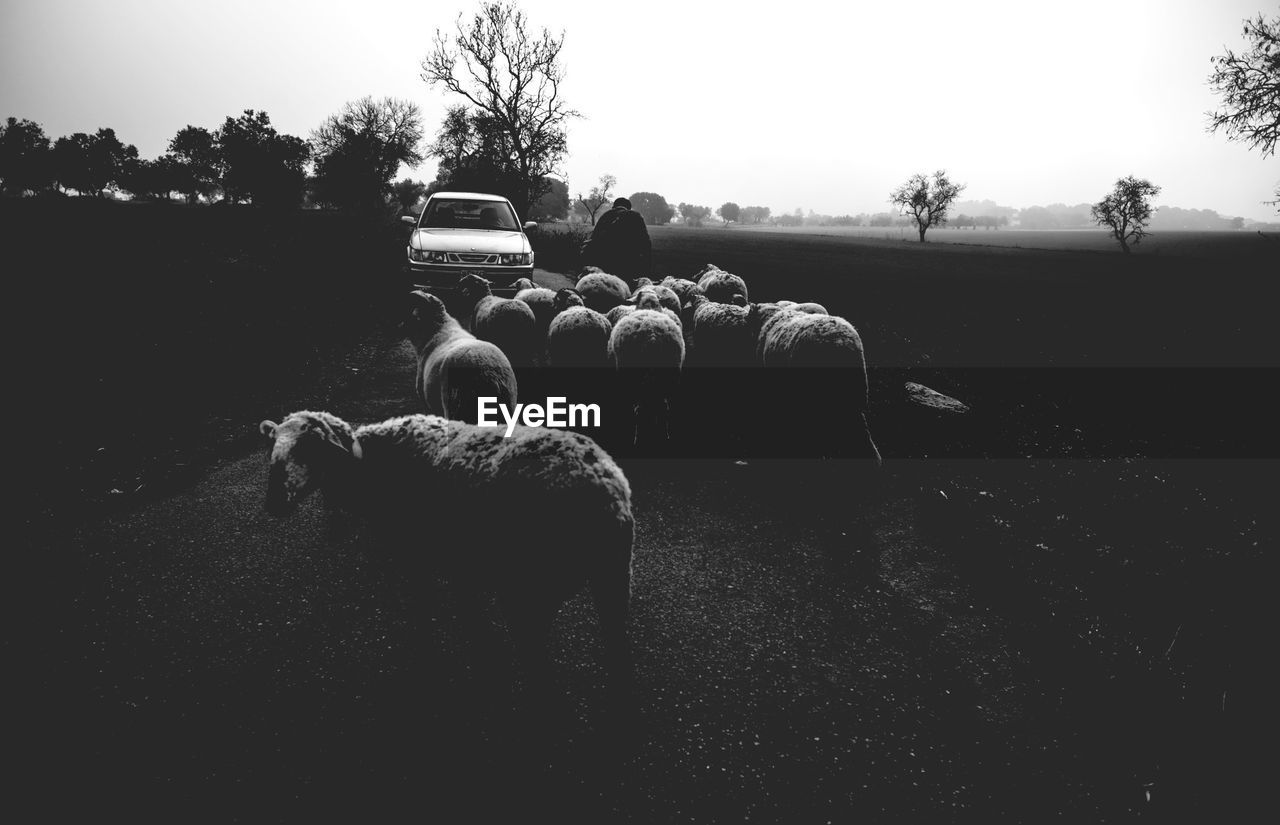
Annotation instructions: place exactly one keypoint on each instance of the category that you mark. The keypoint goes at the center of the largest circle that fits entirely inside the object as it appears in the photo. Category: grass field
(1234, 244)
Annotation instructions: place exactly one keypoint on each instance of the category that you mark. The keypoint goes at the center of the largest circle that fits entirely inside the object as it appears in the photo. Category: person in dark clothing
(619, 244)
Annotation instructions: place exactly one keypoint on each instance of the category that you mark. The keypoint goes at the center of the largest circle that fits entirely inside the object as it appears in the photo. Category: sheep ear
(268, 428)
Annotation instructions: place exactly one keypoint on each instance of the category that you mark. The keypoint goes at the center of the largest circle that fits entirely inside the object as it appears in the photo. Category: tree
(470, 150)
(694, 215)
(729, 211)
(1126, 210)
(599, 196)
(554, 203)
(92, 163)
(25, 156)
(195, 156)
(151, 178)
(925, 201)
(360, 149)
(258, 163)
(654, 208)
(408, 193)
(1249, 84)
(510, 77)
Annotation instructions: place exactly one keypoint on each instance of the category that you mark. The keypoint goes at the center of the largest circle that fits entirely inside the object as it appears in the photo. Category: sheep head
(474, 287)
(427, 313)
(568, 297)
(307, 450)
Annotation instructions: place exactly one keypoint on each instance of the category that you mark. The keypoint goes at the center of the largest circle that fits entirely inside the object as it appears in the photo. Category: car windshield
(469, 214)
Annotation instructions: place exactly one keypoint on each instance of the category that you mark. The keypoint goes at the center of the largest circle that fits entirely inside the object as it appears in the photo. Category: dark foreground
(1051, 608)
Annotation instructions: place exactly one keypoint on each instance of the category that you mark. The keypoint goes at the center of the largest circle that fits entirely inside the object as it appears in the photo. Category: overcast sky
(799, 104)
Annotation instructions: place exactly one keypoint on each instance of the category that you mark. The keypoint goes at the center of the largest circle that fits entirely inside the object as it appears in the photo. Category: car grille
(472, 258)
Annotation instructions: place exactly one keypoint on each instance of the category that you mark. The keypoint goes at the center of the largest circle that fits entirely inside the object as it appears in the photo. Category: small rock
(933, 399)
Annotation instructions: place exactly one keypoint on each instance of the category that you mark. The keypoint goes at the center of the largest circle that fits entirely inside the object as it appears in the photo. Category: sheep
(645, 297)
(648, 346)
(430, 486)
(543, 303)
(806, 306)
(579, 337)
(683, 288)
(506, 322)
(522, 283)
(568, 297)
(721, 286)
(666, 295)
(602, 291)
(832, 388)
(454, 367)
(720, 334)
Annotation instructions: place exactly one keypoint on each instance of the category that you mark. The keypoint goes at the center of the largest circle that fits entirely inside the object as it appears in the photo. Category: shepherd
(619, 244)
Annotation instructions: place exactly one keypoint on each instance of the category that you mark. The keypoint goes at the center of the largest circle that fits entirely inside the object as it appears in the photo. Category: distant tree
(258, 163)
(156, 179)
(729, 211)
(510, 77)
(926, 201)
(1126, 210)
(600, 196)
(195, 157)
(25, 157)
(554, 203)
(964, 220)
(1249, 85)
(653, 207)
(408, 192)
(92, 163)
(694, 215)
(359, 150)
(881, 219)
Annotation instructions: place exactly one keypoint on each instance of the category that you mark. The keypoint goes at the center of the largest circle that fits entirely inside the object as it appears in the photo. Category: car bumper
(445, 276)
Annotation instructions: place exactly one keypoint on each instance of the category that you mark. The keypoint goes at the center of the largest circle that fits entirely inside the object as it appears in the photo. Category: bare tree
(512, 77)
(599, 196)
(1126, 210)
(926, 201)
(1249, 84)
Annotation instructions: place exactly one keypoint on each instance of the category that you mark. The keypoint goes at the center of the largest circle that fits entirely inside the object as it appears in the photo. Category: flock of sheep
(436, 475)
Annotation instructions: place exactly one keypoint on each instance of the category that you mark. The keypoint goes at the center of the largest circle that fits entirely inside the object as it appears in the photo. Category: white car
(460, 233)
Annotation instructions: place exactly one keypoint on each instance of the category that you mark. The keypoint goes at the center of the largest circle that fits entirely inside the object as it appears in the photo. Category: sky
(790, 105)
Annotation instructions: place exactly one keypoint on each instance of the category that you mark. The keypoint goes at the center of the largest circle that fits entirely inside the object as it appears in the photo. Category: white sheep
(579, 337)
(645, 297)
(721, 286)
(543, 303)
(454, 367)
(434, 486)
(602, 291)
(506, 322)
(683, 288)
(666, 295)
(719, 334)
(646, 346)
(827, 376)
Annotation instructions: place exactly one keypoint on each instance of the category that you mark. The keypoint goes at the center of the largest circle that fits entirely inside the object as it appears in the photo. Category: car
(460, 233)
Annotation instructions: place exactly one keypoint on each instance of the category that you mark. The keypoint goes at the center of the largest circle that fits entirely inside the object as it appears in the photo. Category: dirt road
(200, 659)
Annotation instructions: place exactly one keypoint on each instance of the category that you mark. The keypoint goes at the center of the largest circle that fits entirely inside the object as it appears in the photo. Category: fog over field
(803, 105)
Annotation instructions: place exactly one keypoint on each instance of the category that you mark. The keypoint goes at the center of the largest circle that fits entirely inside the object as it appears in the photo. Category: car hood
(469, 240)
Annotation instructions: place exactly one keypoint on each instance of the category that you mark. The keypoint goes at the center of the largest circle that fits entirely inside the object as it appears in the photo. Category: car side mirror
(530, 225)
(409, 219)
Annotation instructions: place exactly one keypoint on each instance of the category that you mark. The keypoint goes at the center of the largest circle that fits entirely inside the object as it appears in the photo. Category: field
(1050, 607)
(1219, 245)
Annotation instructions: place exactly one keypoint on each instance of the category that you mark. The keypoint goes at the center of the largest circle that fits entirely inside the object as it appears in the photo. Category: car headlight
(516, 259)
(422, 256)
